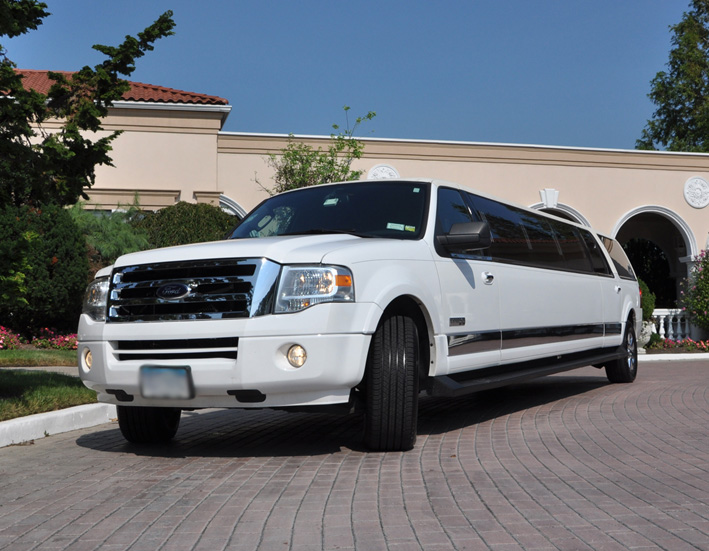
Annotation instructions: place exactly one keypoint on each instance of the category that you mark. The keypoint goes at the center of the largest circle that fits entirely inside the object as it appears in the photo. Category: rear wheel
(625, 368)
(392, 386)
(148, 425)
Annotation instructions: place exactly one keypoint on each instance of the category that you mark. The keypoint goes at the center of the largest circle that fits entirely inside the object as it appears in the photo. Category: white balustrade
(671, 323)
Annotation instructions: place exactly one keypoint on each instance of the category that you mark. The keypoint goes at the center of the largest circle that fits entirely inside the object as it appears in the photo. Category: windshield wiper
(321, 231)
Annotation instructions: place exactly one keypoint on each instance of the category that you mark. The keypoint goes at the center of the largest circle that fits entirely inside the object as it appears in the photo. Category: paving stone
(565, 462)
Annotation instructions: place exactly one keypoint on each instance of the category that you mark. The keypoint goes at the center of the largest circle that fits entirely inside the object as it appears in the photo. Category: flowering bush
(49, 339)
(687, 345)
(694, 296)
(8, 339)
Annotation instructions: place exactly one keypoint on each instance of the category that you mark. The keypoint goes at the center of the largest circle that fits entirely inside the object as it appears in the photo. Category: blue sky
(563, 72)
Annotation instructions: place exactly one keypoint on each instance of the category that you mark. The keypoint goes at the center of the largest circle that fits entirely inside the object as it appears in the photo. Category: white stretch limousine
(358, 294)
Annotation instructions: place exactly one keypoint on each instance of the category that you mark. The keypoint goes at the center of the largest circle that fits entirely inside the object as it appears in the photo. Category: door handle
(617, 289)
(488, 278)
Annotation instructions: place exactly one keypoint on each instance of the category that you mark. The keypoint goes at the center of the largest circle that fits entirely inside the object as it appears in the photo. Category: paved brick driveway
(567, 462)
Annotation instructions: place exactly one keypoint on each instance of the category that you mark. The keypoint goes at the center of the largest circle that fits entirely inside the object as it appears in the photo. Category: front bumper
(336, 338)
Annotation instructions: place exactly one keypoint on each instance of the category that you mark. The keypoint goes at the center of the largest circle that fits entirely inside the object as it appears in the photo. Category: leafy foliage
(685, 345)
(648, 300)
(681, 94)
(8, 339)
(184, 223)
(695, 292)
(42, 167)
(47, 338)
(109, 234)
(300, 165)
(49, 257)
(14, 265)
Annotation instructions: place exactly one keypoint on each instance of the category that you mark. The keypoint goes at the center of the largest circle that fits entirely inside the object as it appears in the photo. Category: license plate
(169, 383)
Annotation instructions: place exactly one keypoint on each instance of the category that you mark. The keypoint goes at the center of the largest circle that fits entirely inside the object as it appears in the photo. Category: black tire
(148, 425)
(392, 386)
(625, 368)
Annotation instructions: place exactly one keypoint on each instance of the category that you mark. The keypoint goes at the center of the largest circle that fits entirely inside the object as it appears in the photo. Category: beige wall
(167, 156)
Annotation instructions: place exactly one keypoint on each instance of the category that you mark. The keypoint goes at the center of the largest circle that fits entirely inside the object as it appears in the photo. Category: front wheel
(148, 425)
(392, 386)
(625, 368)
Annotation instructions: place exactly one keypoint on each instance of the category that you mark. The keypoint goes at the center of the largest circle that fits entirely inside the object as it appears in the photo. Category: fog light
(88, 358)
(296, 355)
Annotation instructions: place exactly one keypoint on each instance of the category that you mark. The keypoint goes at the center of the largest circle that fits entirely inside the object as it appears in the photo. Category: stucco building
(173, 149)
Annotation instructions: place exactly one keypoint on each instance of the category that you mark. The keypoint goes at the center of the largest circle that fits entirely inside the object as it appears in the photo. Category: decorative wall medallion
(696, 192)
(382, 172)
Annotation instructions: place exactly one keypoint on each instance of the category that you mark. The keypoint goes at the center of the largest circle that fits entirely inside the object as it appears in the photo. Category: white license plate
(168, 383)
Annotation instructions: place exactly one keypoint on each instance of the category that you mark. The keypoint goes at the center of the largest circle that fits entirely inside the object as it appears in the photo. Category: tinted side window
(547, 253)
(572, 247)
(598, 259)
(452, 209)
(510, 241)
(619, 258)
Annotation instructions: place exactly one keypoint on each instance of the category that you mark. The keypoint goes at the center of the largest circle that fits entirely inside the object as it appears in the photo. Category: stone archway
(660, 246)
(232, 207)
(550, 204)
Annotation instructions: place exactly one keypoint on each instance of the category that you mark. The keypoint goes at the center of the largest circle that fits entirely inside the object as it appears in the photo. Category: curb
(33, 427)
(689, 357)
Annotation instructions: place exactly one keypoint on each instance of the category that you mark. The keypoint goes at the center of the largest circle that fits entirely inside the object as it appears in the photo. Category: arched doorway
(660, 245)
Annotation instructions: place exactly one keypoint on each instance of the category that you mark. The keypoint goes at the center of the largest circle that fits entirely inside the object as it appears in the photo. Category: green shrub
(47, 265)
(185, 223)
(8, 339)
(655, 341)
(648, 300)
(109, 234)
(694, 296)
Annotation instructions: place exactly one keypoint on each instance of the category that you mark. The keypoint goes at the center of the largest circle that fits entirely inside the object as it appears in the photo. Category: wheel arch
(414, 308)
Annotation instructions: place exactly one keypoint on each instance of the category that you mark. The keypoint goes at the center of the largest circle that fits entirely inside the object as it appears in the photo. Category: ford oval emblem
(173, 291)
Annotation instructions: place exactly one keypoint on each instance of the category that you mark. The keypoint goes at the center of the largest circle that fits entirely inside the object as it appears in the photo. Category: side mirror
(467, 236)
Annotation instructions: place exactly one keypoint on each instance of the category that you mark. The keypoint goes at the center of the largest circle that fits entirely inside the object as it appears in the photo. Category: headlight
(95, 299)
(304, 286)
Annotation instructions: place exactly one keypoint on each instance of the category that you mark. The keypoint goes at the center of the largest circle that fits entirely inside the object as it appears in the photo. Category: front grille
(187, 290)
(182, 349)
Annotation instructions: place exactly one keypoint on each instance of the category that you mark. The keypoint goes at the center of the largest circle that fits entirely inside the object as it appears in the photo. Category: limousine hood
(298, 249)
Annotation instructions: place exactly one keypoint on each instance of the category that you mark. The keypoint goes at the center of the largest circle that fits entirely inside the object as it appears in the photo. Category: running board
(467, 382)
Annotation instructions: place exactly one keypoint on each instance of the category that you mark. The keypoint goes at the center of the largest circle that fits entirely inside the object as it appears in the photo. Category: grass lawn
(27, 392)
(34, 357)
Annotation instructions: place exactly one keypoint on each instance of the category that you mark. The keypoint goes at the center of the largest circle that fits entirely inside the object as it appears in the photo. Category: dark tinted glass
(509, 239)
(598, 259)
(572, 247)
(524, 237)
(452, 209)
(394, 210)
(619, 258)
(545, 249)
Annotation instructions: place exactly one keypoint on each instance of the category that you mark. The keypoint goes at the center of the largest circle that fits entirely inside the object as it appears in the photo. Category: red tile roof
(40, 81)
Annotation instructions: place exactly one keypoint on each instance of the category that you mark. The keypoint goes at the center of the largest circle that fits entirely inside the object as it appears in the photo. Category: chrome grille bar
(206, 289)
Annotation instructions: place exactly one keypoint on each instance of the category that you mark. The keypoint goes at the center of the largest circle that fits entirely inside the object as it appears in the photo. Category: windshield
(395, 210)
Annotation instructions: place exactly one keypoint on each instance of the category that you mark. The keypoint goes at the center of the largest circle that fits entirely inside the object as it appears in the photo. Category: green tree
(48, 266)
(681, 93)
(42, 167)
(300, 165)
(695, 292)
